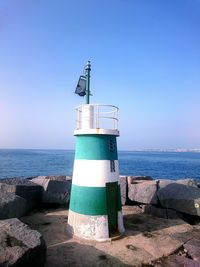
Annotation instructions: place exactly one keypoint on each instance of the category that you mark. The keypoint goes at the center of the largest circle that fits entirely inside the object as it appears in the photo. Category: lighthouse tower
(95, 204)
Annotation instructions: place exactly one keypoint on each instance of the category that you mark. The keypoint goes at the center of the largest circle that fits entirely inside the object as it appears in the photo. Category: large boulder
(177, 261)
(11, 205)
(189, 181)
(162, 212)
(147, 192)
(135, 179)
(23, 188)
(193, 248)
(20, 246)
(180, 197)
(56, 189)
(143, 192)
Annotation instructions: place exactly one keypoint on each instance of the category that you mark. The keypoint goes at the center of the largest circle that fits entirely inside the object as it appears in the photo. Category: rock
(164, 182)
(181, 198)
(163, 213)
(20, 246)
(176, 261)
(173, 214)
(144, 192)
(11, 205)
(56, 189)
(193, 249)
(188, 181)
(23, 188)
(133, 179)
(154, 211)
(123, 188)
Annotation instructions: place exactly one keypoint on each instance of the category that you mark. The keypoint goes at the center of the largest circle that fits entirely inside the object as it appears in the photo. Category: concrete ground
(148, 241)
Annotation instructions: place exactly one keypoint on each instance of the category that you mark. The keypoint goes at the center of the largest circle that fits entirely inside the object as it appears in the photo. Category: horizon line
(120, 150)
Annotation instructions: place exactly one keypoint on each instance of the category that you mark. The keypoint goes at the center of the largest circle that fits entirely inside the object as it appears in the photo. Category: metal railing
(98, 116)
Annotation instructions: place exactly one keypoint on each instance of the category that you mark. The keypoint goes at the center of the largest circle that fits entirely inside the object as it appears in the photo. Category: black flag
(81, 86)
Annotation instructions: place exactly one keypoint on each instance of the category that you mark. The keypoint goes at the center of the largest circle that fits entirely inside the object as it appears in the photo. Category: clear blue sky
(145, 58)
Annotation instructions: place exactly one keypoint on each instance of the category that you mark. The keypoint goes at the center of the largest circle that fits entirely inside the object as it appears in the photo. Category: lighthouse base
(92, 227)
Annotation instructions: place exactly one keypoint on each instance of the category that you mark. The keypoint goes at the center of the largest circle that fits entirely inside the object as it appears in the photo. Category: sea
(33, 162)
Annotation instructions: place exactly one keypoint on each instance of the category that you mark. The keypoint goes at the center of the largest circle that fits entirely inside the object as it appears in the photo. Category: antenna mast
(87, 75)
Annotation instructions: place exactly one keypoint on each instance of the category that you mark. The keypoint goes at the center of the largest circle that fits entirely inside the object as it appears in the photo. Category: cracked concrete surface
(148, 241)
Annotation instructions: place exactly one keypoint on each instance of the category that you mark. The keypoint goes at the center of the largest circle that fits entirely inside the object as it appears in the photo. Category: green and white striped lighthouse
(95, 210)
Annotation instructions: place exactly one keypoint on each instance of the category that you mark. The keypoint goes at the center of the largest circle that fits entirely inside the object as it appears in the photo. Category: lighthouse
(95, 210)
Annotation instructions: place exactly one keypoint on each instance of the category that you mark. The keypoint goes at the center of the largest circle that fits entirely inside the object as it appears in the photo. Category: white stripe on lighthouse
(94, 173)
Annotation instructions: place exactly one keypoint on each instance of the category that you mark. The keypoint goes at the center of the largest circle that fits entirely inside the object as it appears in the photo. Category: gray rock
(164, 182)
(133, 179)
(144, 192)
(23, 188)
(56, 189)
(193, 249)
(11, 205)
(188, 181)
(177, 261)
(173, 214)
(20, 246)
(154, 211)
(181, 198)
(162, 213)
(123, 188)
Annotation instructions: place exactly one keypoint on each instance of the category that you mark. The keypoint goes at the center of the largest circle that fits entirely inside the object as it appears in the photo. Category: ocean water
(29, 163)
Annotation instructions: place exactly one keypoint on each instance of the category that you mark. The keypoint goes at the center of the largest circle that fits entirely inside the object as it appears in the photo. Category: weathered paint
(94, 173)
(96, 147)
(88, 227)
(120, 222)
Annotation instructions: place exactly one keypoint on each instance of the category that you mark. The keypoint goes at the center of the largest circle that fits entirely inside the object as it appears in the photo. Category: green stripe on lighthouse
(119, 201)
(90, 200)
(96, 147)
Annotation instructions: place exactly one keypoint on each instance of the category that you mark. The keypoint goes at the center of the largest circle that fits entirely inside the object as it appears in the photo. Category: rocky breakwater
(22, 190)
(55, 189)
(21, 246)
(174, 200)
(171, 240)
(165, 198)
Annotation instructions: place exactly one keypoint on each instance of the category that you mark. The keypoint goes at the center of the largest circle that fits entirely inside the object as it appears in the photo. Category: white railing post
(114, 120)
(97, 117)
(117, 118)
(77, 118)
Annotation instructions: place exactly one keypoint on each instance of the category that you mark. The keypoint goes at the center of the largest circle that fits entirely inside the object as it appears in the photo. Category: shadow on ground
(135, 221)
(76, 254)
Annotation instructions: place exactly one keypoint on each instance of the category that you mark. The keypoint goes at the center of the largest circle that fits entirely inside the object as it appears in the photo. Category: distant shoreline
(196, 150)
